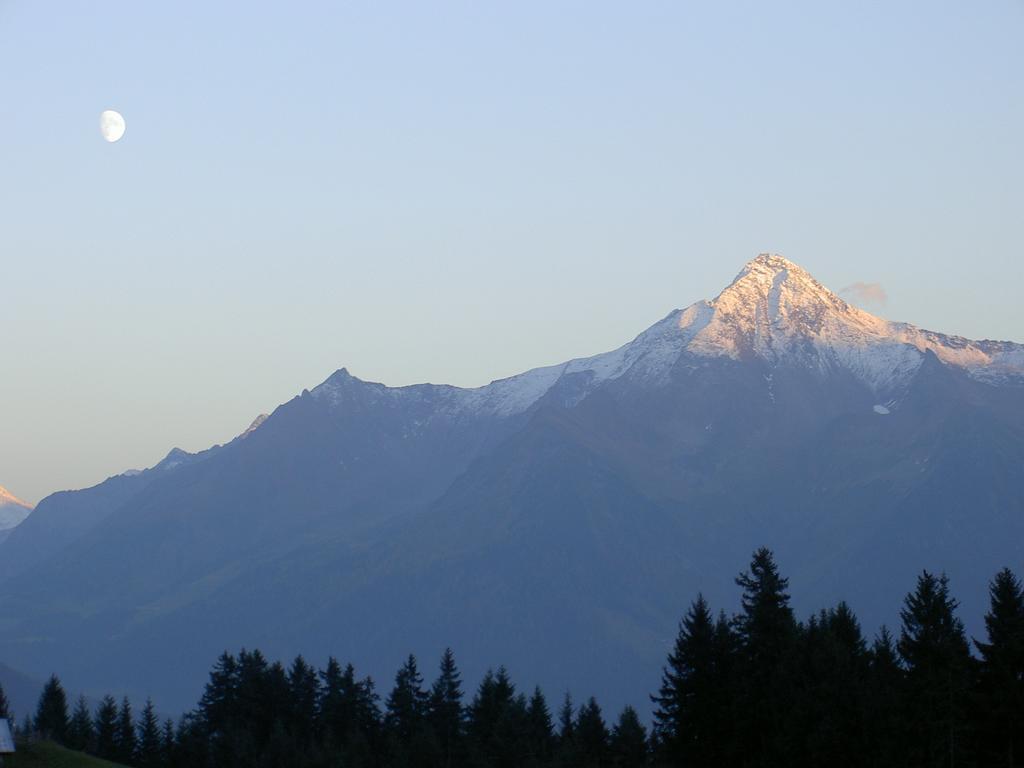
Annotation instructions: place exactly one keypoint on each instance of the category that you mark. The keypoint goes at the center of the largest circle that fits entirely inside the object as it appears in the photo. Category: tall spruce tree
(767, 634)
(348, 711)
(445, 710)
(51, 720)
(80, 732)
(540, 738)
(191, 742)
(405, 718)
(566, 726)
(258, 705)
(5, 711)
(591, 736)
(885, 686)
(124, 735)
(219, 694)
(334, 721)
(496, 721)
(149, 752)
(168, 743)
(690, 704)
(304, 694)
(830, 711)
(106, 728)
(364, 746)
(1000, 700)
(628, 746)
(934, 649)
(565, 748)
(406, 705)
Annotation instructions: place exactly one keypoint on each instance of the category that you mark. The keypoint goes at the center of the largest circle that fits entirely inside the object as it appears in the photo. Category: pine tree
(349, 716)
(446, 714)
(125, 742)
(149, 738)
(80, 732)
(540, 737)
(219, 694)
(167, 743)
(690, 703)
(409, 740)
(106, 729)
(191, 743)
(363, 746)
(406, 705)
(263, 734)
(765, 623)
(495, 721)
(1001, 687)
(829, 715)
(333, 721)
(304, 689)
(565, 749)
(935, 651)
(5, 713)
(260, 699)
(51, 721)
(767, 634)
(566, 725)
(591, 735)
(884, 704)
(628, 742)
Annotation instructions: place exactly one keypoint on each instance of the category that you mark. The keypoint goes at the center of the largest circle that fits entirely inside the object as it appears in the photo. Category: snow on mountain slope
(773, 310)
(12, 510)
(777, 311)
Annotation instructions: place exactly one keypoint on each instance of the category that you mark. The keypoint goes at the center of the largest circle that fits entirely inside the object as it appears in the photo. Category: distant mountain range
(559, 521)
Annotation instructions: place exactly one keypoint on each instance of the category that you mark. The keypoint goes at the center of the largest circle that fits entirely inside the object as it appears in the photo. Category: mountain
(559, 521)
(66, 515)
(13, 512)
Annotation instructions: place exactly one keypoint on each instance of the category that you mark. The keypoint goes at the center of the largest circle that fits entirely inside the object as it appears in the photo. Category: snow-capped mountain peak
(771, 304)
(777, 311)
(12, 509)
(773, 311)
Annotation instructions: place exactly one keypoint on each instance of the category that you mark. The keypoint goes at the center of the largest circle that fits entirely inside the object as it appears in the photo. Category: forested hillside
(759, 688)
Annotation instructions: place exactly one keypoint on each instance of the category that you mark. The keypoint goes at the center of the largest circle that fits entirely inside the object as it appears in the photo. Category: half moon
(111, 125)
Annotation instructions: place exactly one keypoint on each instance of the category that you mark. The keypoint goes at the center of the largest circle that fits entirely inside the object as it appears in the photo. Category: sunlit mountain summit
(773, 311)
(12, 512)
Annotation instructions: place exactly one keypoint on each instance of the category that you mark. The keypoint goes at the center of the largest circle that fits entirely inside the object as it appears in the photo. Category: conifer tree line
(759, 689)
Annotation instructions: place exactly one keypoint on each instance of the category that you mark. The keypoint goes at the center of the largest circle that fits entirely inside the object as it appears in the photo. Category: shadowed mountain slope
(558, 521)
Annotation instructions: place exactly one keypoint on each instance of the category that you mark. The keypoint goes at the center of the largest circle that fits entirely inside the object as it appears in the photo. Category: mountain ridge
(760, 313)
(595, 497)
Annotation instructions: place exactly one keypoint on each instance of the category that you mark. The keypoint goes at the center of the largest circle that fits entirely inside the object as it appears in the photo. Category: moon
(111, 125)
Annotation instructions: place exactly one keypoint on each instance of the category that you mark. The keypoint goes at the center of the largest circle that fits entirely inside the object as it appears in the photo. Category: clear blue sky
(455, 192)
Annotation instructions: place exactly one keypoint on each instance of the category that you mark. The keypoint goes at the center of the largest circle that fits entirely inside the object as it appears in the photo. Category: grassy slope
(45, 754)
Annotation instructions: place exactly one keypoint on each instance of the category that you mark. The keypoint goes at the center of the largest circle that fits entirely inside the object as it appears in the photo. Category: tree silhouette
(1000, 698)
(445, 710)
(51, 720)
(934, 649)
(124, 734)
(106, 728)
(80, 732)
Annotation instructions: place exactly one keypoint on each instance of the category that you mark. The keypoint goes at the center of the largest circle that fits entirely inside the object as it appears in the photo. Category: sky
(457, 192)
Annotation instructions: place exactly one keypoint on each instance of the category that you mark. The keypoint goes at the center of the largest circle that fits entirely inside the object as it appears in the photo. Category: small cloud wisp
(866, 293)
